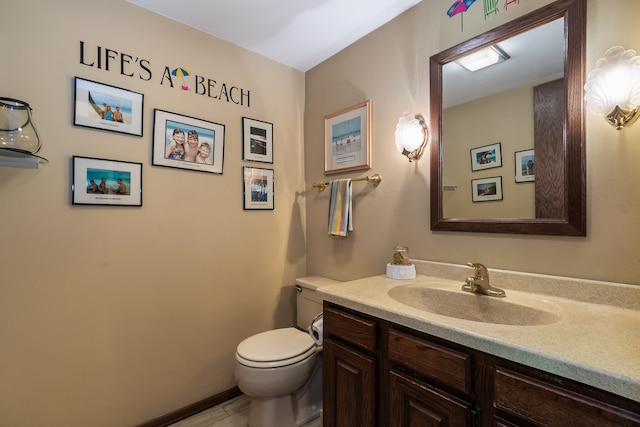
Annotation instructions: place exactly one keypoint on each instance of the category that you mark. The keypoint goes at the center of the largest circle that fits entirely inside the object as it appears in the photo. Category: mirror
(470, 193)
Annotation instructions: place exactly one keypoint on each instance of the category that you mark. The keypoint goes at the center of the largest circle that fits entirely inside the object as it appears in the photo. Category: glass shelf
(13, 158)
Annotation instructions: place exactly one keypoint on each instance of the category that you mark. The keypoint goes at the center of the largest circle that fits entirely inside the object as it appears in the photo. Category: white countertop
(595, 344)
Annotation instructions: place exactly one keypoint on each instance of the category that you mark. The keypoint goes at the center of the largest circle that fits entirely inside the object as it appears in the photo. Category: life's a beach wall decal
(176, 76)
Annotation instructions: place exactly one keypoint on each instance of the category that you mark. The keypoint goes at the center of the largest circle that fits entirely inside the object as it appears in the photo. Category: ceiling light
(483, 58)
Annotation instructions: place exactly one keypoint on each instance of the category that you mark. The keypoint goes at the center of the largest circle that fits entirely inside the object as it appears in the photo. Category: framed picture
(106, 182)
(187, 143)
(106, 107)
(525, 162)
(487, 157)
(347, 139)
(257, 139)
(258, 188)
(487, 189)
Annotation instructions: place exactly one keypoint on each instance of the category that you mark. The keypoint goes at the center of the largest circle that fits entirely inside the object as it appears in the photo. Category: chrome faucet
(479, 283)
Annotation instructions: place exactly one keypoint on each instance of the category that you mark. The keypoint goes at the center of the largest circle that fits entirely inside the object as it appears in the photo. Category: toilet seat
(278, 347)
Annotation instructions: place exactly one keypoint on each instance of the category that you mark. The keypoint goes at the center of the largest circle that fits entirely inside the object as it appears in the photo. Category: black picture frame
(525, 166)
(101, 106)
(257, 140)
(106, 182)
(167, 128)
(487, 157)
(486, 189)
(258, 184)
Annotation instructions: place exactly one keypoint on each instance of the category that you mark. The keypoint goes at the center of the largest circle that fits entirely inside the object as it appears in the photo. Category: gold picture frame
(347, 139)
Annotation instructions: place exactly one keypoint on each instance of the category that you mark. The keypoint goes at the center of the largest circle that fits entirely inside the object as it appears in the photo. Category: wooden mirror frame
(574, 221)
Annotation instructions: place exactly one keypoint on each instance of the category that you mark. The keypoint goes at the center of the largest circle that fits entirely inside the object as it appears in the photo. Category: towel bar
(375, 178)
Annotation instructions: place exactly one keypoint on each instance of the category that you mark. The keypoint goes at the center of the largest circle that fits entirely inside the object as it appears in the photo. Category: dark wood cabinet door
(379, 374)
(541, 403)
(549, 149)
(417, 404)
(349, 387)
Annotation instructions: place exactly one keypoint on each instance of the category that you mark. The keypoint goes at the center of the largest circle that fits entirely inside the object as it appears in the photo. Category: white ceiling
(297, 33)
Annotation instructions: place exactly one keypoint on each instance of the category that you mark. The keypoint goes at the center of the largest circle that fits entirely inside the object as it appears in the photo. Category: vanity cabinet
(350, 363)
(377, 373)
(413, 402)
(541, 403)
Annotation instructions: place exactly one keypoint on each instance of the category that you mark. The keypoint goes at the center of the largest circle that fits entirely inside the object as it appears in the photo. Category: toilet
(281, 370)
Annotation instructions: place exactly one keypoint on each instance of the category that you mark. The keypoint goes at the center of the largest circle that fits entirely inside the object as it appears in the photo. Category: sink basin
(479, 308)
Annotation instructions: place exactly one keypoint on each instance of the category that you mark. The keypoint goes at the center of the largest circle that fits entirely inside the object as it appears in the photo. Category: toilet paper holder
(315, 329)
(315, 319)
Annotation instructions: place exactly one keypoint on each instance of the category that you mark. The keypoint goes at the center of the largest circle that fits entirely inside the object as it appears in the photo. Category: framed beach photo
(257, 140)
(347, 139)
(487, 157)
(487, 189)
(106, 182)
(187, 143)
(258, 188)
(525, 166)
(106, 107)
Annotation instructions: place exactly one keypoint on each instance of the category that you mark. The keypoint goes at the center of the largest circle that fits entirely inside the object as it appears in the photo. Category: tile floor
(232, 413)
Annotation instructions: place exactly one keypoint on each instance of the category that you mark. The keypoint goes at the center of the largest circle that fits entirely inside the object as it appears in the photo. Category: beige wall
(390, 67)
(505, 118)
(113, 316)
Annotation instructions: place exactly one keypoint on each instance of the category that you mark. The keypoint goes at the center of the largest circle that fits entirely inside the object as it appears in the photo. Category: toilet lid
(277, 347)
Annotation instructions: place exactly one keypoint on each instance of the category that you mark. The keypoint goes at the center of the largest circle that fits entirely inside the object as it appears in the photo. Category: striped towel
(340, 216)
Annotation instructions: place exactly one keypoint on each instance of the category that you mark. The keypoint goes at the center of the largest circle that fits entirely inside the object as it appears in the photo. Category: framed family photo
(106, 107)
(187, 143)
(258, 188)
(257, 140)
(525, 162)
(487, 189)
(347, 139)
(487, 157)
(106, 182)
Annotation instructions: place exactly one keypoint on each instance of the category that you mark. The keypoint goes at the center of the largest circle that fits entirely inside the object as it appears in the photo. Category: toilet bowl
(281, 370)
(274, 386)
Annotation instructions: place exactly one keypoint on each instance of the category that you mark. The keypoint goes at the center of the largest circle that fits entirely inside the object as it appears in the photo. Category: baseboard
(193, 409)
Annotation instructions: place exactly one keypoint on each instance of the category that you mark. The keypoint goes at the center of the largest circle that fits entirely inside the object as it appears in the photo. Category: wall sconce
(412, 135)
(613, 87)
(19, 141)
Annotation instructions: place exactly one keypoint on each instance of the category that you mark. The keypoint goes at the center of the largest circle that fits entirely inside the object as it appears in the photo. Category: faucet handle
(480, 269)
(480, 283)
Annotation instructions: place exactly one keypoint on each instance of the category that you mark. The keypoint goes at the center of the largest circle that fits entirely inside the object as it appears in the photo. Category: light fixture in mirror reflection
(534, 55)
(507, 105)
(483, 58)
(411, 135)
(613, 87)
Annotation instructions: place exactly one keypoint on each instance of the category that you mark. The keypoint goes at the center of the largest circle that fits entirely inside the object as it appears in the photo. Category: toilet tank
(308, 302)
